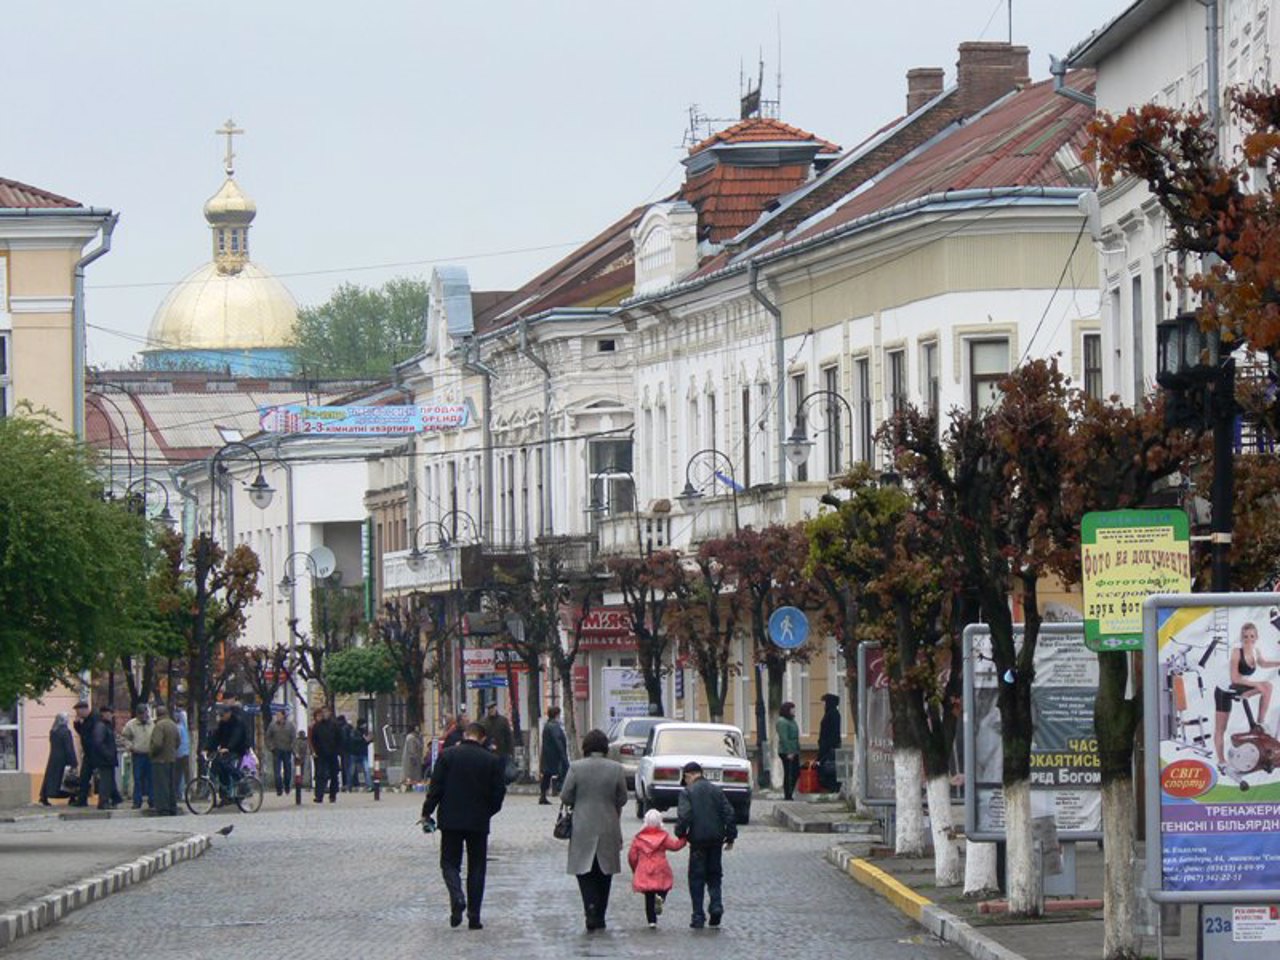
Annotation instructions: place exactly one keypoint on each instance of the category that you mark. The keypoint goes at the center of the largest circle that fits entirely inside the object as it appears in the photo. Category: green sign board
(1127, 555)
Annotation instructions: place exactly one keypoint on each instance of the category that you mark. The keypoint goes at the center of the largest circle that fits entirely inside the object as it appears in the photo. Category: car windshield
(638, 728)
(703, 743)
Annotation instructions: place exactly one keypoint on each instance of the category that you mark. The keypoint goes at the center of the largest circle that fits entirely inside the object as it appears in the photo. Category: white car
(718, 747)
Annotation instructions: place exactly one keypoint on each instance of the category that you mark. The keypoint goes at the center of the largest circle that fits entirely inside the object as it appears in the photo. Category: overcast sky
(383, 137)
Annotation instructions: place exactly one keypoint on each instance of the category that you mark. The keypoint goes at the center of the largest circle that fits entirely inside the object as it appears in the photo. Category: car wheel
(743, 812)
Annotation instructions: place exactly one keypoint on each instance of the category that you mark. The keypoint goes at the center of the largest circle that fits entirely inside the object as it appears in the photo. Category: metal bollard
(377, 778)
(297, 781)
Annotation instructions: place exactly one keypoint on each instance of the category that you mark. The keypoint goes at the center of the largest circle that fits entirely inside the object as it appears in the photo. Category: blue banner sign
(362, 421)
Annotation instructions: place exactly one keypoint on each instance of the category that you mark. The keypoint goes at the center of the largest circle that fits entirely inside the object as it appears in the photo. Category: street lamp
(139, 491)
(798, 445)
(1200, 384)
(289, 581)
(597, 508)
(260, 492)
(455, 528)
(692, 497)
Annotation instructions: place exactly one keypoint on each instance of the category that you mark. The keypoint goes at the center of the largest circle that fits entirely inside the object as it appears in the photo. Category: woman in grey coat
(596, 789)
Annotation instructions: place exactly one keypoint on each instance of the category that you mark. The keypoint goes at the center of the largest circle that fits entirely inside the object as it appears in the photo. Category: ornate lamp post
(703, 466)
(1200, 385)
(598, 509)
(260, 492)
(706, 464)
(455, 528)
(139, 494)
(798, 445)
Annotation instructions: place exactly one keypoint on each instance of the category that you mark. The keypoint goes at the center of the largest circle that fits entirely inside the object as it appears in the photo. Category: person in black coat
(102, 751)
(829, 743)
(554, 758)
(467, 788)
(327, 749)
(228, 743)
(62, 754)
(83, 725)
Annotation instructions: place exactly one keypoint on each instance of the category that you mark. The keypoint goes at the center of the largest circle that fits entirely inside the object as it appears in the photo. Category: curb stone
(52, 907)
(943, 924)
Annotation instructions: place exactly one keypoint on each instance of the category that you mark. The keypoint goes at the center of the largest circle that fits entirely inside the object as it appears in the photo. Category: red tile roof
(21, 196)
(729, 199)
(762, 130)
(601, 272)
(1016, 144)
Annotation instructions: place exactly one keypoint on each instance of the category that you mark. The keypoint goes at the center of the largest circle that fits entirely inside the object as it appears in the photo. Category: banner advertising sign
(1065, 778)
(477, 661)
(1213, 761)
(875, 727)
(624, 693)
(362, 421)
(1128, 555)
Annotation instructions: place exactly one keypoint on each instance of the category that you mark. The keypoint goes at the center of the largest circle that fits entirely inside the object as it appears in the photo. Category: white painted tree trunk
(1118, 940)
(908, 795)
(980, 878)
(1018, 864)
(947, 870)
(857, 789)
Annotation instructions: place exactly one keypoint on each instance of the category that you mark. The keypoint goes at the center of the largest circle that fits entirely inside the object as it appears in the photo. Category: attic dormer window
(606, 346)
(222, 241)
(235, 241)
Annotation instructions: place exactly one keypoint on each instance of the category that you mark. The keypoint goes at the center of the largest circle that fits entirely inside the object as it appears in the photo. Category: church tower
(229, 315)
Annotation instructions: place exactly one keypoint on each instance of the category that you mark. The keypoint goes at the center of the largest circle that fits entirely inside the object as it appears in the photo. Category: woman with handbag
(596, 790)
(62, 754)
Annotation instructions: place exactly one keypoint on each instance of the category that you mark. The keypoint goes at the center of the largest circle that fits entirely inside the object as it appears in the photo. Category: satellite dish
(324, 560)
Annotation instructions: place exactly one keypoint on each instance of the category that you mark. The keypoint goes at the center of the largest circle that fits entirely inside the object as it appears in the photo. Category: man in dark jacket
(228, 743)
(103, 749)
(467, 787)
(327, 749)
(706, 819)
(554, 758)
(84, 723)
(829, 743)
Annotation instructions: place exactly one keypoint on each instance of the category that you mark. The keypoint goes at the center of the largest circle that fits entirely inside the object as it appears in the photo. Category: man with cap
(83, 724)
(163, 750)
(707, 820)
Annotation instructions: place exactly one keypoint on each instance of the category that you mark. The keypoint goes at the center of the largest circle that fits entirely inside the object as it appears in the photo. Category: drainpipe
(779, 367)
(78, 332)
(545, 527)
(472, 363)
(1058, 67)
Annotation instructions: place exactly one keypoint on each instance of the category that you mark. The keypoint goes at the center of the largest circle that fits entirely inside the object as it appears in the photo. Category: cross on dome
(229, 130)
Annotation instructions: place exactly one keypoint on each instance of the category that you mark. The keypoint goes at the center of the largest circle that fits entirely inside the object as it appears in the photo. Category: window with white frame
(930, 379)
(10, 738)
(988, 365)
(1135, 316)
(762, 424)
(798, 421)
(834, 414)
(896, 361)
(1093, 365)
(611, 487)
(866, 440)
(6, 374)
(746, 437)
(713, 436)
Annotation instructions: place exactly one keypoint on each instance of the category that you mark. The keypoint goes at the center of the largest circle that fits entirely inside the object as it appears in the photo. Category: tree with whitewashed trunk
(994, 480)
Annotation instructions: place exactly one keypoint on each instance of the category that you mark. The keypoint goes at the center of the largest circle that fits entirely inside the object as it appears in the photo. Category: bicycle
(203, 795)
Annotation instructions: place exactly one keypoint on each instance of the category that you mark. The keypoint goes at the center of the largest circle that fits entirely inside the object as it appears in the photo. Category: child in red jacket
(648, 859)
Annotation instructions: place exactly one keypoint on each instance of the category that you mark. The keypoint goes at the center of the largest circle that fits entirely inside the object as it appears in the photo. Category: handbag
(563, 829)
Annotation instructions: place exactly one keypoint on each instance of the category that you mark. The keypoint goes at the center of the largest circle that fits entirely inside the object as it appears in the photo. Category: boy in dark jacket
(706, 819)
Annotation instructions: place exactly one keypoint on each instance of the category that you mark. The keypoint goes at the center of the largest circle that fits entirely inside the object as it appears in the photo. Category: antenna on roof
(749, 101)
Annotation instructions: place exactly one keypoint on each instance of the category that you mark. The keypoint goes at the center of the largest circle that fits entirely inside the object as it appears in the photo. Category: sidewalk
(1068, 934)
(54, 864)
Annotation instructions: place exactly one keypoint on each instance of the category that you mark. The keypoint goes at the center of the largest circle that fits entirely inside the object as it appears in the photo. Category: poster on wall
(1065, 777)
(875, 726)
(624, 693)
(1213, 783)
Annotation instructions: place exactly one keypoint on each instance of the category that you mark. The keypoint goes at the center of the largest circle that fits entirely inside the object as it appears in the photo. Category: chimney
(987, 71)
(923, 84)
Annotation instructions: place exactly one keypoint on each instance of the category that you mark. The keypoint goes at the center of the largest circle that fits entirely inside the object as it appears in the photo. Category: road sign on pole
(788, 628)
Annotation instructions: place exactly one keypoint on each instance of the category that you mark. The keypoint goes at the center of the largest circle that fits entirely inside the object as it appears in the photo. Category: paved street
(359, 879)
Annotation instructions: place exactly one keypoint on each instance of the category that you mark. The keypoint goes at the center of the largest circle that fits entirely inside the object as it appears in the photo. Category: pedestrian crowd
(468, 781)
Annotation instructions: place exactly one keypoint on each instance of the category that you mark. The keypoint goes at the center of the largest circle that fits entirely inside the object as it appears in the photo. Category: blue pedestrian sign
(788, 628)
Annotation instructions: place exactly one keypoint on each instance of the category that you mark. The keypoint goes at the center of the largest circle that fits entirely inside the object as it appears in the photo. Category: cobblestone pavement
(359, 879)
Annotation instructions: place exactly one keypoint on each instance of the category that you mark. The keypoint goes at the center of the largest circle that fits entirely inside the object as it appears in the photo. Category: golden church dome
(229, 206)
(217, 310)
